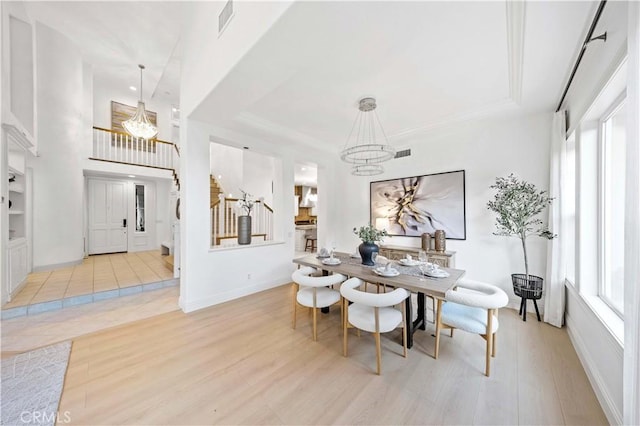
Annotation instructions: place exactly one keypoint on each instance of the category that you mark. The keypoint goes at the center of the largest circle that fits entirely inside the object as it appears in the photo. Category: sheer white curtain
(556, 271)
(631, 370)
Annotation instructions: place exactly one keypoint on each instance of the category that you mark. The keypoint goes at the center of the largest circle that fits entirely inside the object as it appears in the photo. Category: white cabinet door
(17, 266)
(107, 216)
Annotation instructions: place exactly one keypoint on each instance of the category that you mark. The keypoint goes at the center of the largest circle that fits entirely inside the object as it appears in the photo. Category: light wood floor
(241, 363)
(96, 273)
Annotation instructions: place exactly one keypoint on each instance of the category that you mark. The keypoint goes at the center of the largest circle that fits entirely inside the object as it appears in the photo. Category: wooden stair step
(168, 261)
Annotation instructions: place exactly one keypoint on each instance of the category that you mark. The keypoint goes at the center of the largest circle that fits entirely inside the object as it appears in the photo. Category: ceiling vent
(403, 153)
(225, 16)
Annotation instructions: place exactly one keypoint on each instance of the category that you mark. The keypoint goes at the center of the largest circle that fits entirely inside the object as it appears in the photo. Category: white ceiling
(114, 37)
(305, 174)
(426, 63)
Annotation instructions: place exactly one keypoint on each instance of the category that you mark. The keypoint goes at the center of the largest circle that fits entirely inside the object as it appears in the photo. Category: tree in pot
(369, 236)
(516, 204)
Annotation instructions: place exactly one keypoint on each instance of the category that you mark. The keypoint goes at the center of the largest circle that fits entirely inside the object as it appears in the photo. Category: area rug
(32, 384)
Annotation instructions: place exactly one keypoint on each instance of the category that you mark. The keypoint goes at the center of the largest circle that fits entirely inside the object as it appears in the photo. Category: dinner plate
(355, 255)
(412, 262)
(383, 272)
(437, 273)
(331, 261)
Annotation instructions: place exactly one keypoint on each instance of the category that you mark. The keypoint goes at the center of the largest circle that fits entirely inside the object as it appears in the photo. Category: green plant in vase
(369, 236)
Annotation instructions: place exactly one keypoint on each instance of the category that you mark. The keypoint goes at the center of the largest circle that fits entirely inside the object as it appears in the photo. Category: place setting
(328, 257)
(432, 270)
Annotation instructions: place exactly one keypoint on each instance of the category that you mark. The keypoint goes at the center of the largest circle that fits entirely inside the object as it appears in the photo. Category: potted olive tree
(517, 204)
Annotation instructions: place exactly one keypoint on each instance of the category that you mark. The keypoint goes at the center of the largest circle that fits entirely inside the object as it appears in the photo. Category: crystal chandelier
(139, 125)
(366, 153)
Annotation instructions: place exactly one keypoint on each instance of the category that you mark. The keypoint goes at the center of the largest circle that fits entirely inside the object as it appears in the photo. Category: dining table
(410, 278)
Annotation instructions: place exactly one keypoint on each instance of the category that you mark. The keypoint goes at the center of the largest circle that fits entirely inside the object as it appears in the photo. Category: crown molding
(515, 46)
(283, 132)
(489, 109)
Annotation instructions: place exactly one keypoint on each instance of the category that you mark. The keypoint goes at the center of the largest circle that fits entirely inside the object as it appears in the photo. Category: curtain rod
(587, 40)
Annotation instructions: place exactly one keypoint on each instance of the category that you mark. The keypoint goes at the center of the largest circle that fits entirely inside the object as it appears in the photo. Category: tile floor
(98, 273)
(34, 331)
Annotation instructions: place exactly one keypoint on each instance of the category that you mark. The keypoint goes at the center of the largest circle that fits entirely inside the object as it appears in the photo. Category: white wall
(209, 57)
(485, 149)
(104, 93)
(598, 62)
(164, 213)
(57, 171)
(214, 276)
(226, 161)
(258, 175)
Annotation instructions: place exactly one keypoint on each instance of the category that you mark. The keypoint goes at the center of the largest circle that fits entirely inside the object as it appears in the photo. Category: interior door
(107, 216)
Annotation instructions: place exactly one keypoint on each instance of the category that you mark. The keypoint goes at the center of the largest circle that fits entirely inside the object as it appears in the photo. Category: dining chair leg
(404, 330)
(378, 353)
(489, 339)
(376, 313)
(315, 314)
(493, 345)
(344, 328)
(295, 304)
(438, 327)
(451, 332)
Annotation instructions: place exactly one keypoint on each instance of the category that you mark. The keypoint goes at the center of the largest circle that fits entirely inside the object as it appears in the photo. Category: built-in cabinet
(16, 209)
(445, 259)
(18, 141)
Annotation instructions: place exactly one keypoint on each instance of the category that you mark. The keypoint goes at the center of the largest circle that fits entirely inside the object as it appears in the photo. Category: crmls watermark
(45, 417)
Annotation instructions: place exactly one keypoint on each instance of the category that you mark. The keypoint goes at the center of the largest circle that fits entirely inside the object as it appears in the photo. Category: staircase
(118, 147)
(214, 192)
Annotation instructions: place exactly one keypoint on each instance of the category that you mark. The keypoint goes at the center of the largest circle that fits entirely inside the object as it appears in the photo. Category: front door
(107, 216)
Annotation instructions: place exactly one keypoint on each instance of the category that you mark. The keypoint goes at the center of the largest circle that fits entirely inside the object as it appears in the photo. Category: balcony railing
(118, 147)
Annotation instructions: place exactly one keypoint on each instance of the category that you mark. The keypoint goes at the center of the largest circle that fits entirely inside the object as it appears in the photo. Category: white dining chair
(314, 292)
(473, 307)
(373, 312)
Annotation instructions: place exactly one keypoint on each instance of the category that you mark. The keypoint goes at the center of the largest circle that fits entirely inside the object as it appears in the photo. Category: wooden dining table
(414, 282)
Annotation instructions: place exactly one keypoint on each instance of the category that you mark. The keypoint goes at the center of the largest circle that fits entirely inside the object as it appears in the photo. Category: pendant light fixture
(139, 125)
(366, 153)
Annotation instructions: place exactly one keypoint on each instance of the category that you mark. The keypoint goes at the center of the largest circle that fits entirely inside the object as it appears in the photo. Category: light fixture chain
(381, 128)
(351, 132)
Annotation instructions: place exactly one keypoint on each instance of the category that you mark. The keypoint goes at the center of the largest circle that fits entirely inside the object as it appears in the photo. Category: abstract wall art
(414, 205)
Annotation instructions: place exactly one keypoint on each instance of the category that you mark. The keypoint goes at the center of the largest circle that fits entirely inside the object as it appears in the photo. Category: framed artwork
(414, 205)
(121, 112)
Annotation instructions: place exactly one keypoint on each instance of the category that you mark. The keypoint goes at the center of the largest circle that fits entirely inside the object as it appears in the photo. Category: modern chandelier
(366, 153)
(139, 125)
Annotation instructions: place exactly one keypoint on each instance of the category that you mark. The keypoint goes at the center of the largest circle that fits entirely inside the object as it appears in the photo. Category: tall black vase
(244, 230)
(366, 251)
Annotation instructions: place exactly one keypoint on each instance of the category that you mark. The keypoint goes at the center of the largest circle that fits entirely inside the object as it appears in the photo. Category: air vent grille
(403, 153)
(225, 15)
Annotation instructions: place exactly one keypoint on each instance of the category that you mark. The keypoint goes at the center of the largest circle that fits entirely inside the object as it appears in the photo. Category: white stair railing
(117, 147)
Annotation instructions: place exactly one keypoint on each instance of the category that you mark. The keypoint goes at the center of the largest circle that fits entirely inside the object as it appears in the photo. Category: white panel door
(107, 216)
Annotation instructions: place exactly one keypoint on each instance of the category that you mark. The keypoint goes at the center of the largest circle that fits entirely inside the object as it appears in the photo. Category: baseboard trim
(597, 383)
(43, 268)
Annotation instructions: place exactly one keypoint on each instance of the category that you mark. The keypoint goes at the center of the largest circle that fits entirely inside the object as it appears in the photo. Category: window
(568, 207)
(140, 208)
(611, 203)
